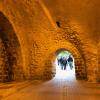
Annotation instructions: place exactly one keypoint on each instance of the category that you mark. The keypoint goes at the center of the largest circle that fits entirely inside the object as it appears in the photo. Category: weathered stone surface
(31, 41)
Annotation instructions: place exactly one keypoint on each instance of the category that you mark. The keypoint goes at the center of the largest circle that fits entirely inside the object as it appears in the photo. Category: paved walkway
(58, 89)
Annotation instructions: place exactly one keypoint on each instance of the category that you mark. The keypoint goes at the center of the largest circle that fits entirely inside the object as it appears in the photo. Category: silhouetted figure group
(63, 62)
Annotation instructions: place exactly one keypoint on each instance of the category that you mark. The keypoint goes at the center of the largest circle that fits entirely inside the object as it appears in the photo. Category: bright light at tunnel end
(67, 73)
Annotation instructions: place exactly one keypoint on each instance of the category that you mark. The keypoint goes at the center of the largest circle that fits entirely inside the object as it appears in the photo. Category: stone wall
(88, 52)
(98, 61)
(11, 58)
(2, 62)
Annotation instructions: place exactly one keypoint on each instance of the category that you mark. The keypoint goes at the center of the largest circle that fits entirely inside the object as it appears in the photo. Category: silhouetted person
(64, 63)
(58, 59)
(61, 63)
(70, 62)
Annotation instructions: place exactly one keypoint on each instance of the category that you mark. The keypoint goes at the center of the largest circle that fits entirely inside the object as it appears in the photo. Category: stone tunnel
(34, 32)
(30, 38)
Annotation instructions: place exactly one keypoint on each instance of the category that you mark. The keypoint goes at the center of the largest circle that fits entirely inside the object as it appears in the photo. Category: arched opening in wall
(65, 66)
(10, 52)
(80, 71)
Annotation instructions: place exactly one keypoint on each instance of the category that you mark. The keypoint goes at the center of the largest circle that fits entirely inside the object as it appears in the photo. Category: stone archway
(10, 55)
(80, 68)
(50, 68)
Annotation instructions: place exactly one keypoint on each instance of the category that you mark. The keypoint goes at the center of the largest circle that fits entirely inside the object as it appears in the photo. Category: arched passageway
(79, 68)
(65, 66)
(10, 52)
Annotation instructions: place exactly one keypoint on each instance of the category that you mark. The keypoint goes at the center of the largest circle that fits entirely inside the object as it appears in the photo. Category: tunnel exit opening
(65, 67)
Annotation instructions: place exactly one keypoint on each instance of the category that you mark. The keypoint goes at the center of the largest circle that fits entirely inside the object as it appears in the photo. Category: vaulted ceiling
(83, 16)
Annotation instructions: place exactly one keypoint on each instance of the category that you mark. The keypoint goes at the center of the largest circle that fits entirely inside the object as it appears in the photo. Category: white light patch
(64, 74)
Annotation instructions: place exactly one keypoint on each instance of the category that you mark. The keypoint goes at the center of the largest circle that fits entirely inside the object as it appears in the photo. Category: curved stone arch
(80, 68)
(73, 37)
(22, 39)
(13, 69)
